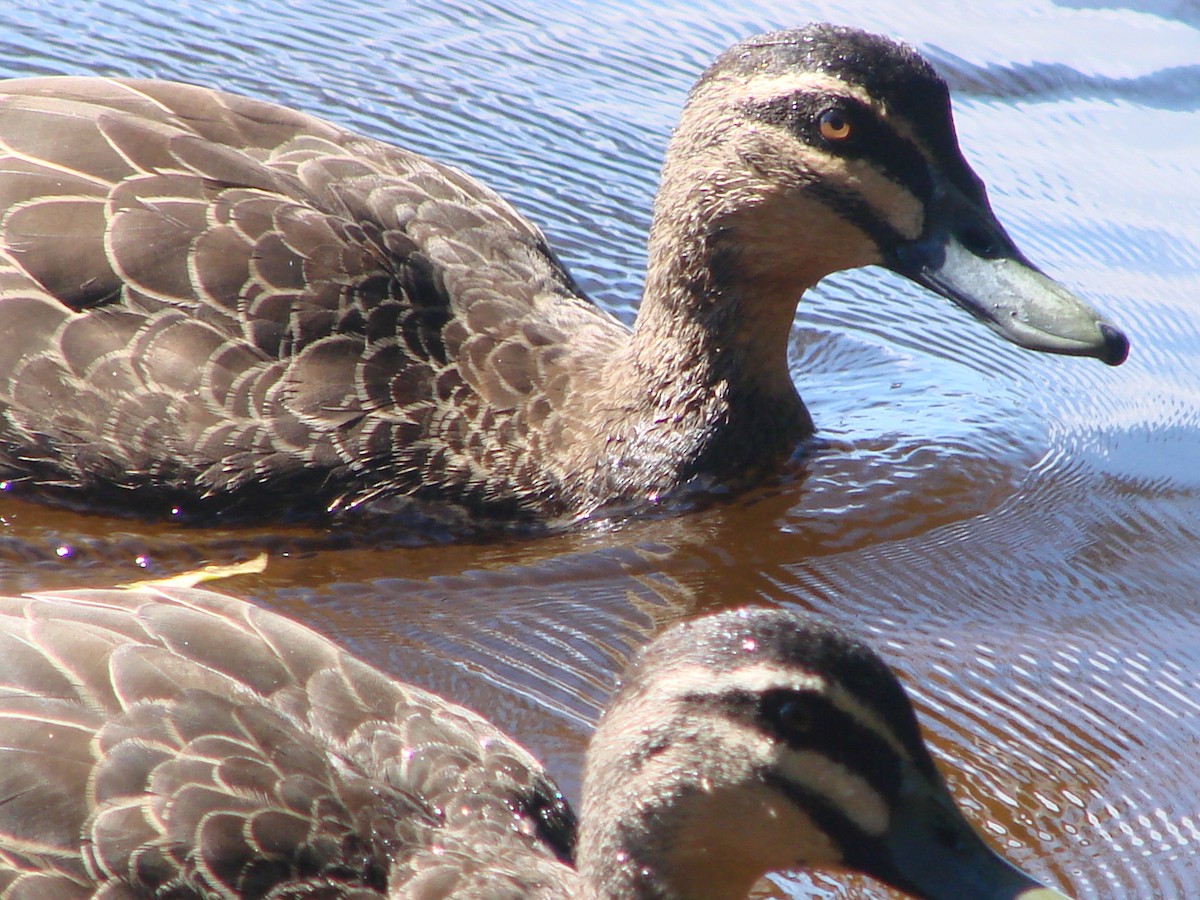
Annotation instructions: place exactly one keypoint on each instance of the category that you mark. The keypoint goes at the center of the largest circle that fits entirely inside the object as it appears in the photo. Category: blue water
(1019, 534)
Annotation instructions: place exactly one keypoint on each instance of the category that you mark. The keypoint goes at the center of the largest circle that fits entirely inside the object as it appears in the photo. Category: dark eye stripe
(898, 158)
(835, 734)
(845, 740)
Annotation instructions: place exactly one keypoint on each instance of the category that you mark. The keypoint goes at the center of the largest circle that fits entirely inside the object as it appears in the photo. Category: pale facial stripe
(848, 793)
(767, 88)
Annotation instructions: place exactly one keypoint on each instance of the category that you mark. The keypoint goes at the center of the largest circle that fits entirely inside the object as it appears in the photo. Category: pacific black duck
(172, 742)
(222, 306)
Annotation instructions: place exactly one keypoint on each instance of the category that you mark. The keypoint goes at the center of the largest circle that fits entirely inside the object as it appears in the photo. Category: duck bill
(966, 256)
(930, 851)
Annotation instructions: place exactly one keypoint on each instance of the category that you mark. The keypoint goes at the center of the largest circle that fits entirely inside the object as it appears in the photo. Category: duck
(224, 308)
(173, 741)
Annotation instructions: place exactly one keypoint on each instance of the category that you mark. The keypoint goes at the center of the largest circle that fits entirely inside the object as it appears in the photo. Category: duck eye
(791, 715)
(834, 125)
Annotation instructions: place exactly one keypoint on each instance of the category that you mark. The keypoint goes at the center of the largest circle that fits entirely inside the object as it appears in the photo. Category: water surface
(1019, 534)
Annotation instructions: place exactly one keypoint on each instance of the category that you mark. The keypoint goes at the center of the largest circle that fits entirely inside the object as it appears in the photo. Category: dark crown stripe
(859, 212)
(858, 849)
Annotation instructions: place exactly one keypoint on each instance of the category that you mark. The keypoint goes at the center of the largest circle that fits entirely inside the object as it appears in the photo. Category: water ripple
(1019, 534)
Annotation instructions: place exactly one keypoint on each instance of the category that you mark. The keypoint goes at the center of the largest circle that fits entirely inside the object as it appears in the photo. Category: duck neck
(713, 332)
(712, 329)
(673, 843)
(628, 872)
(652, 826)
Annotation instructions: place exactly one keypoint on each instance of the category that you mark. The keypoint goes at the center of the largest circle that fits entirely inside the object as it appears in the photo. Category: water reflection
(1019, 535)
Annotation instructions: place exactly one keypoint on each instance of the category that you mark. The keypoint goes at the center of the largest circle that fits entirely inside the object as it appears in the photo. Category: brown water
(1018, 534)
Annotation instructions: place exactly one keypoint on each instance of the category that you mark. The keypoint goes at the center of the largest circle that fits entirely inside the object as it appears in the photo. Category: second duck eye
(834, 126)
(791, 715)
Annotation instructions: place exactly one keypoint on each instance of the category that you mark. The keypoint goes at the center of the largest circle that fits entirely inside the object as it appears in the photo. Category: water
(1018, 534)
